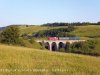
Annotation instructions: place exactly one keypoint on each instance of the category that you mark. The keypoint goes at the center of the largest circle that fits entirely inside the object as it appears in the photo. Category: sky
(38, 12)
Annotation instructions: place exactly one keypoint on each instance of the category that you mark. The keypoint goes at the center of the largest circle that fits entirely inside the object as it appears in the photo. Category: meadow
(31, 29)
(15, 60)
(87, 31)
(26, 61)
(82, 31)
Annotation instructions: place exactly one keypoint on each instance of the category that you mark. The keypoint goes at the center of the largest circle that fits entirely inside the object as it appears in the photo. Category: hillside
(82, 31)
(30, 29)
(21, 58)
(87, 31)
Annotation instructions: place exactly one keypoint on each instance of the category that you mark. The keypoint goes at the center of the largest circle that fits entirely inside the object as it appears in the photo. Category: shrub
(54, 32)
(83, 47)
(67, 47)
(35, 44)
(25, 36)
(10, 35)
(71, 28)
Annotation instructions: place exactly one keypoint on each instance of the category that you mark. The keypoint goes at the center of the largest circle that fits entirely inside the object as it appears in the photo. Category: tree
(98, 23)
(10, 35)
(67, 47)
(0, 37)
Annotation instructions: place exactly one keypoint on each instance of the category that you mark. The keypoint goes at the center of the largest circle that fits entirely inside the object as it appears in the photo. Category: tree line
(70, 24)
(60, 32)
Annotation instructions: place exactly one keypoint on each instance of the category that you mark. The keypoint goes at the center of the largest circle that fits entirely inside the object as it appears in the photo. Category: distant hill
(2, 28)
(82, 31)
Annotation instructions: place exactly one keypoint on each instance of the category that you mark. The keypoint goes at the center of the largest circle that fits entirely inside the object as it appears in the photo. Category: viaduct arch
(61, 45)
(56, 45)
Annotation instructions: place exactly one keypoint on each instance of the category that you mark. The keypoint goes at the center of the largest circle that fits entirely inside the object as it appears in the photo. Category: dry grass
(25, 58)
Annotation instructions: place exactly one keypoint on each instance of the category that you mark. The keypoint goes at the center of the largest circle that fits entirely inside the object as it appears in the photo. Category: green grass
(12, 57)
(30, 29)
(89, 31)
(84, 31)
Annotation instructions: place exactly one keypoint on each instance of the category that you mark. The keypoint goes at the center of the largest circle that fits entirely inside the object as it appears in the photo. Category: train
(63, 38)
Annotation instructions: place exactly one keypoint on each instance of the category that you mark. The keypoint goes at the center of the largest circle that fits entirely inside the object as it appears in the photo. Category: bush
(26, 43)
(71, 28)
(0, 37)
(32, 41)
(10, 35)
(35, 44)
(60, 32)
(83, 47)
(67, 47)
(25, 36)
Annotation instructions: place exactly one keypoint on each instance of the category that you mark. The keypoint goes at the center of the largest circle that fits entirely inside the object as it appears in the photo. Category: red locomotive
(53, 38)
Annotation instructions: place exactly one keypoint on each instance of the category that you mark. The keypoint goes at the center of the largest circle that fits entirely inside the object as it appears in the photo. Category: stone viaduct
(57, 44)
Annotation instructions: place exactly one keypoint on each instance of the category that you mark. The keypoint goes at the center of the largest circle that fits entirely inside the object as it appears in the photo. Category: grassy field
(30, 29)
(84, 31)
(55, 63)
